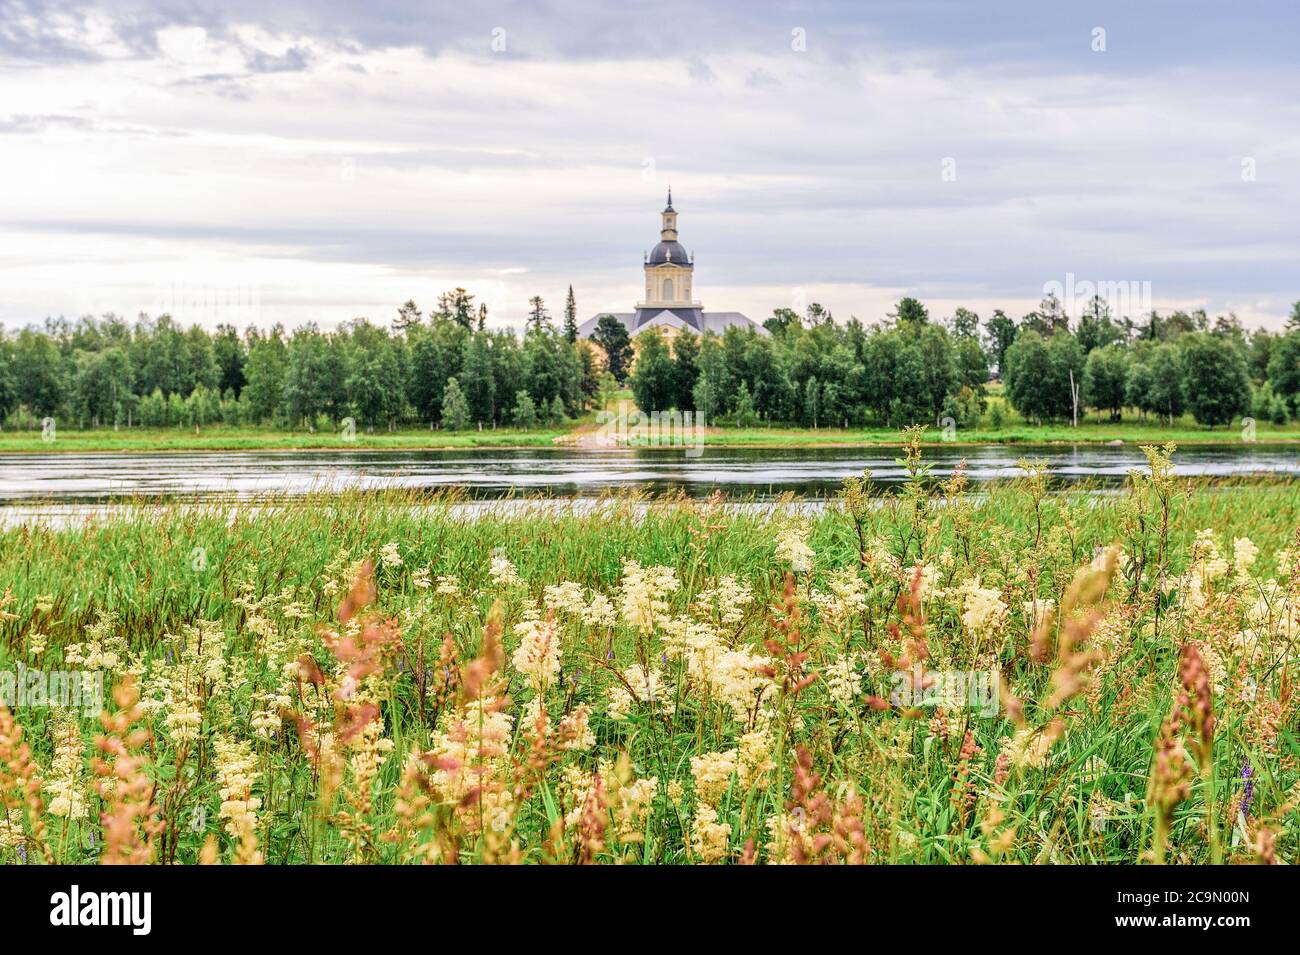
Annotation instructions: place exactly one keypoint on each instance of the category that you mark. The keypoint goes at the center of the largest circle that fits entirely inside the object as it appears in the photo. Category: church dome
(672, 253)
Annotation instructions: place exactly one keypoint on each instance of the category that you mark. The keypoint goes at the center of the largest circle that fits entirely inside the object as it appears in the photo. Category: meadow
(917, 675)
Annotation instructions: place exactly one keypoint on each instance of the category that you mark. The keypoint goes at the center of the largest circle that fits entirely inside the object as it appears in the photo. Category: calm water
(761, 473)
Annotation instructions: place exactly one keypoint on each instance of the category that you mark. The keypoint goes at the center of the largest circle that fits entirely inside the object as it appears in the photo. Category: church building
(669, 286)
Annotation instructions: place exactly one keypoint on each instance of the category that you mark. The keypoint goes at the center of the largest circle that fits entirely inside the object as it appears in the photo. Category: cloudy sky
(288, 161)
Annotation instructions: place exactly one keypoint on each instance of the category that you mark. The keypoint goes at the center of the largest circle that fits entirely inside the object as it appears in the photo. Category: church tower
(669, 269)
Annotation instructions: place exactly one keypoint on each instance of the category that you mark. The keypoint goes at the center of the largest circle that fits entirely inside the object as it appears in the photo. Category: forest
(448, 370)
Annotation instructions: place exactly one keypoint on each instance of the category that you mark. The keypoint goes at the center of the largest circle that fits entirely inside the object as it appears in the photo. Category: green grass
(220, 438)
(270, 578)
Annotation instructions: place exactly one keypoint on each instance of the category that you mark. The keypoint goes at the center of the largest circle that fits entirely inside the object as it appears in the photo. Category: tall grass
(494, 719)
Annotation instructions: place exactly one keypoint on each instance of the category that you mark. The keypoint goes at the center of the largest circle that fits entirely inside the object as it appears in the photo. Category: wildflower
(236, 775)
(503, 572)
(389, 557)
(726, 601)
(843, 681)
(420, 578)
(538, 655)
(1244, 554)
(66, 785)
(984, 612)
(644, 590)
(709, 837)
(792, 548)
(448, 586)
(599, 612)
(638, 685)
(566, 597)
(712, 773)
(575, 732)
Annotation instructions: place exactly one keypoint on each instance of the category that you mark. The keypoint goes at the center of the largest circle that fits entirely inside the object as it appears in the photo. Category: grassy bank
(258, 439)
(642, 684)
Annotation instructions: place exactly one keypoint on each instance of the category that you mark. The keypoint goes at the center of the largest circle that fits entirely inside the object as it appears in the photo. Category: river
(746, 472)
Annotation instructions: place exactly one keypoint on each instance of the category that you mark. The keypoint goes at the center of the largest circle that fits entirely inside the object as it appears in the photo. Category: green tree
(1038, 378)
(457, 306)
(231, 356)
(455, 407)
(910, 311)
(1284, 370)
(653, 380)
(686, 370)
(1218, 383)
(40, 379)
(1096, 328)
(538, 318)
(1166, 395)
(1105, 375)
(1137, 387)
(612, 336)
(408, 316)
(570, 318)
(479, 383)
(437, 350)
(1002, 332)
(267, 358)
(525, 411)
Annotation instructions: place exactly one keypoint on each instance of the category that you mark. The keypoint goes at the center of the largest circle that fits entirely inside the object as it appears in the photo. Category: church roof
(670, 253)
(692, 319)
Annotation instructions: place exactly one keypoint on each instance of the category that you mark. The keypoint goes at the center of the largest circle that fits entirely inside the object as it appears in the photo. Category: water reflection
(746, 472)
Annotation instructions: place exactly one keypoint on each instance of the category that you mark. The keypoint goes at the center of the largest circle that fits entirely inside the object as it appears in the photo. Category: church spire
(668, 230)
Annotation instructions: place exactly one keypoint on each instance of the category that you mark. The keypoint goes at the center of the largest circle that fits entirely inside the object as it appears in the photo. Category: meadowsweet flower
(565, 597)
(448, 586)
(538, 655)
(639, 685)
(643, 592)
(843, 681)
(12, 834)
(792, 548)
(503, 572)
(66, 785)
(984, 613)
(389, 557)
(755, 762)
(599, 612)
(236, 767)
(847, 597)
(1244, 554)
(726, 602)
(420, 578)
(712, 773)
(708, 836)
(574, 730)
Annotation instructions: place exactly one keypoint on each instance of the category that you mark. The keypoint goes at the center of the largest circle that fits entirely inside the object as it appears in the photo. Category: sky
(285, 161)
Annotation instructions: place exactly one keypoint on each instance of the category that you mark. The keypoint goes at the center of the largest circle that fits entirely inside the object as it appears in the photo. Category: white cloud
(340, 179)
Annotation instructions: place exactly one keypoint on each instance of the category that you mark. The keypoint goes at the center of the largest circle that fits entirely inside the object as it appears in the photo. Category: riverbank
(586, 436)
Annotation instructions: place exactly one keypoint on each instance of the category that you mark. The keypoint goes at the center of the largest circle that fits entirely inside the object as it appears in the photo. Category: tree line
(813, 371)
(446, 369)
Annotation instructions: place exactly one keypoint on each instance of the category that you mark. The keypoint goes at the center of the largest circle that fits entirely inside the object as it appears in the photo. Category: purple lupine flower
(1248, 792)
(22, 852)
(610, 655)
